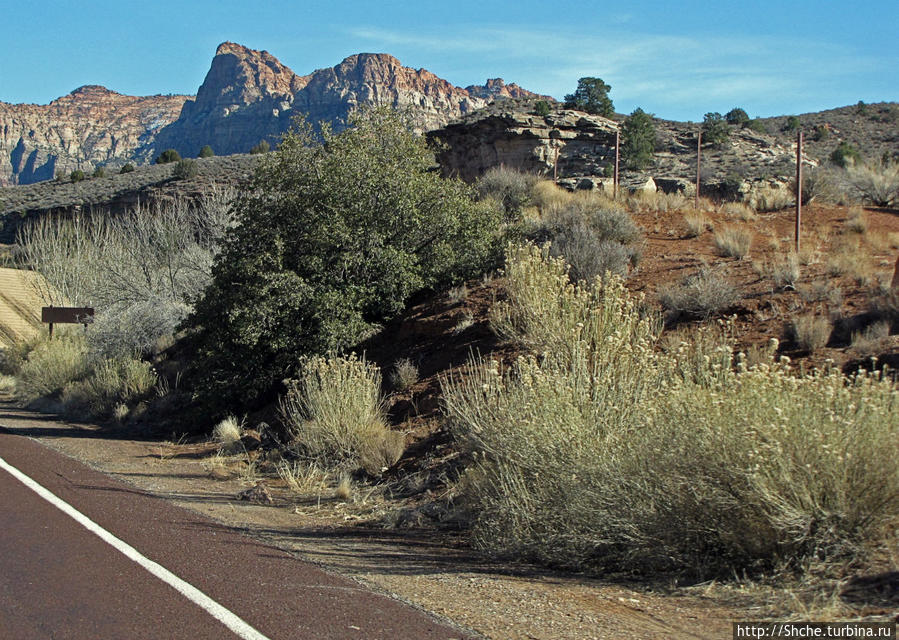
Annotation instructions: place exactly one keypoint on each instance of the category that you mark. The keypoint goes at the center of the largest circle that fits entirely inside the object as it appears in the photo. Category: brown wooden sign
(67, 315)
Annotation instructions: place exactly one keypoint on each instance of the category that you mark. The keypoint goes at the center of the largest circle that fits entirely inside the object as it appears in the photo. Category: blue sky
(677, 60)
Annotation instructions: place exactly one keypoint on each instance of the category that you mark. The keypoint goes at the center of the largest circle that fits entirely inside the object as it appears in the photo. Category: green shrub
(167, 156)
(510, 187)
(845, 155)
(638, 140)
(335, 415)
(126, 168)
(77, 175)
(737, 116)
(792, 123)
(542, 108)
(592, 96)
(331, 239)
(715, 130)
(757, 125)
(206, 152)
(99, 172)
(185, 169)
(262, 147)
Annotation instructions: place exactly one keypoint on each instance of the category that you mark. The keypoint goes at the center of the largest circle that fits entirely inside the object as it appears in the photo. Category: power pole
(698, 163)
(798, 187)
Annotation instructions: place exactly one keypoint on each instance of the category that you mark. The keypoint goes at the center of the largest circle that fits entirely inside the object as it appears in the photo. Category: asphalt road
(60, 580)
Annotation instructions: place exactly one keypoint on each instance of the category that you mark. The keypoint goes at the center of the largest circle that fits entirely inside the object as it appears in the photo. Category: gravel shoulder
(431, 570)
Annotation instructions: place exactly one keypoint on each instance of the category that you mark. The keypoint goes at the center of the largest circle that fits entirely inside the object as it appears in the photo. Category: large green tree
(333, 237)
(638, 138)
(592, 96)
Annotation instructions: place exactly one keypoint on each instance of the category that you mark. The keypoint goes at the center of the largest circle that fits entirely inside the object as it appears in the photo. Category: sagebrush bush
(700, 295)
(404, 374)
(876, 183)
(544, 309)
(510, 187)
(185, 169)
(587, 253)
(335, 415)
(603, 452)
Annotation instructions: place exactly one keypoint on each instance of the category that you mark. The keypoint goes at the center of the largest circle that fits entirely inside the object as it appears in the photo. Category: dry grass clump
(857, 221)
(738, 210)
(228, 432)
(722, 470)
(700, 295)
(120, 380)
(848, 259)
(786, 272)
(767, 199)
(335, 415)
(872, 340)
(649, 201)
(733, 242)
(404, 374)
(697, 223)
(52, 364)
(810, 332)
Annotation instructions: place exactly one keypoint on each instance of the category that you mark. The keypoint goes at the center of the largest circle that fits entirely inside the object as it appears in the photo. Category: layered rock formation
(579, 150)
(247, 96)
(88, 127)
(565, 143)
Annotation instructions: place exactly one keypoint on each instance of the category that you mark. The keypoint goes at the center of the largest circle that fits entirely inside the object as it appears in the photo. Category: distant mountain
(247, 96)
(89, 127)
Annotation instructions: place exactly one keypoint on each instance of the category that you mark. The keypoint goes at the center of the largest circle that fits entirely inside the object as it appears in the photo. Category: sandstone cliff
(88, 127)
(247, 96)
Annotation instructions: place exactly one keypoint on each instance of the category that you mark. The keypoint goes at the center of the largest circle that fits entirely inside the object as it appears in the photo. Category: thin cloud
(665, 72)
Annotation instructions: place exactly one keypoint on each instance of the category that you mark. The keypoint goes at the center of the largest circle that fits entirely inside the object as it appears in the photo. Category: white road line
(217, 611)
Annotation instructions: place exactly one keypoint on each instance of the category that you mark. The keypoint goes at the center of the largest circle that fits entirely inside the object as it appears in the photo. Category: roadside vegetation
(594, 428)
(600, 451)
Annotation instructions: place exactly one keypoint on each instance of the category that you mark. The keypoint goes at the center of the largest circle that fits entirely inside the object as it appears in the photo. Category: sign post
(66, 315)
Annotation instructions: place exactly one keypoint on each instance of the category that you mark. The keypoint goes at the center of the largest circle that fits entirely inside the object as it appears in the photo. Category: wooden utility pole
(798, 188)
(617, 155)
(698, 163)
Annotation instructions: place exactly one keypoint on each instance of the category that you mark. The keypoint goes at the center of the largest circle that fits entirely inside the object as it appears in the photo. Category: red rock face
(88, 127)
(247, 96)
